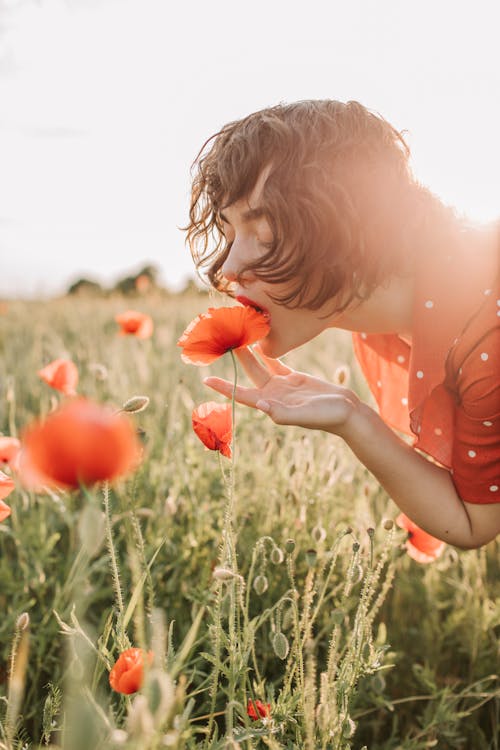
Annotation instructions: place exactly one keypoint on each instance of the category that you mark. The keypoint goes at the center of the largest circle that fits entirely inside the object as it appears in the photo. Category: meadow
(276, 596)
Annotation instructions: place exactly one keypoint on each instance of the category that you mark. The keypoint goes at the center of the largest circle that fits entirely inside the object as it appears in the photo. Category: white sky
(105, 103)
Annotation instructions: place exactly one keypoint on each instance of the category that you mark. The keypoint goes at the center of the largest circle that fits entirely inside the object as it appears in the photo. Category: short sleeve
(476, 439)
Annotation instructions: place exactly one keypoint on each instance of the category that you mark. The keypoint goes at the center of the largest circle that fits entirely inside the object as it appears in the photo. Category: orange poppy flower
(258, 710)
(420, 545)
(80, 443)
(9, 450)
(5, 511)
(212, 423)
(127, 675)
(62, 375)
(212, 334)
(6, 485)
(133, 323)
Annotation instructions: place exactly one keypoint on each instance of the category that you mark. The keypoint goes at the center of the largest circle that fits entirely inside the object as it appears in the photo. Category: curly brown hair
(340, 199)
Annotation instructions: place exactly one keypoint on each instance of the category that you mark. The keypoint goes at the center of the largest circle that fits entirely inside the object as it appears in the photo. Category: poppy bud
(223, 574)
(277, 556)
(136, 404)
(260, 584)
(370, 532)
(23, 621)
(388, 524)
(280, 645)
(318, 534)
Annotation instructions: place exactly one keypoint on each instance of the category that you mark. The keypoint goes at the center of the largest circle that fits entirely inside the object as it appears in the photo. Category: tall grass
(277, 581)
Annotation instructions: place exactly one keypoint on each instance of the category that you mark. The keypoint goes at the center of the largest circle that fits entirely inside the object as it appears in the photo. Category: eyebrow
(251, 214)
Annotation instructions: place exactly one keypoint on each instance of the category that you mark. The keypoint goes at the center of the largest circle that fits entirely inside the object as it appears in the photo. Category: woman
(310, 213)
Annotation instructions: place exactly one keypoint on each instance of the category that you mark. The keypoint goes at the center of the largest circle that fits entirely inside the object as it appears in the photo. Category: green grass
(351, 642)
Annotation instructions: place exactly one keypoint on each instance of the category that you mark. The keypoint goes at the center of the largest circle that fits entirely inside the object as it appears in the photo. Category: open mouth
(250, 303)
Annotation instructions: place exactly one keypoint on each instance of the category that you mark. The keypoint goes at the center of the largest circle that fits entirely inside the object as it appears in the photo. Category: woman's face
(247, 229)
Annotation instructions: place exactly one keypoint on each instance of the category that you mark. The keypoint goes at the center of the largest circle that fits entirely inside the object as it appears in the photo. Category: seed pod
(388, 524)
(277, 555)
(370, 532)
(311, 557)
(289, 546)
(280, 645)
(136, 404)
(260, 585)
(355, 547)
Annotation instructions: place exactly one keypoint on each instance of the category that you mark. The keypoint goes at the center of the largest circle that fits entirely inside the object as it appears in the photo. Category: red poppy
(128, 672)
(6, 485)
(133, 323)
(82, 442)
(212, 334)
(212, 423)
(5, 511)
(62, 375)
(420, 545)
(258, 710)
(9, 450)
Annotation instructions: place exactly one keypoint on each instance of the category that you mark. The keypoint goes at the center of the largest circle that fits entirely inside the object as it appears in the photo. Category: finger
(256, 371)
(276, 366)
(246, 396)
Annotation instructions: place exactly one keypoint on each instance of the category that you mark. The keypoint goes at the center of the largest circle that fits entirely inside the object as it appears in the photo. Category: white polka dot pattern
(420, 374)
(493, 488)
(484, 356)
(472, 454)
(429, 304)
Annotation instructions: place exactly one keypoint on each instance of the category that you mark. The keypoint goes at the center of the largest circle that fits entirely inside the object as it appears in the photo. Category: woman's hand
(288, 396)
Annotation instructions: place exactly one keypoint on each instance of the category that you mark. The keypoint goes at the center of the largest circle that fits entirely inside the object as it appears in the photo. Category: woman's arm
(422, 490)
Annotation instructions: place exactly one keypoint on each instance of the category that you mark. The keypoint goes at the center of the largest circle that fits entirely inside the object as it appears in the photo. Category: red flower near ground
(5, 511)
(128, 673)
(213, 424)
(6, 485)
(133, 323)
(9, 450)
(420, 545)
(62, 375)
(80, 443)
(212, 334)
(258, 710)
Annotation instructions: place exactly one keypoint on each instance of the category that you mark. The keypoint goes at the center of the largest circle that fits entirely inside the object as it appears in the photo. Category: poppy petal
(62, 375)
(213, 333)
(212, 423)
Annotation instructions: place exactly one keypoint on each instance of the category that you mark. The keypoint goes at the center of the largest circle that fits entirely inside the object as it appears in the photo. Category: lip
(247, 302)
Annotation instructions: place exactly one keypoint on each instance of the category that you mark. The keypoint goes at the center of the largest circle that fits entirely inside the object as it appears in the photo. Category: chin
(273, 349)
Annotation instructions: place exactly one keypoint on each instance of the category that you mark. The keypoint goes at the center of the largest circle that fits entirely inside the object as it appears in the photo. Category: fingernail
(263, 405)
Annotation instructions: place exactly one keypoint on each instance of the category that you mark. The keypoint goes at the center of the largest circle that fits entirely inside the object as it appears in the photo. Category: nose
(233, 265)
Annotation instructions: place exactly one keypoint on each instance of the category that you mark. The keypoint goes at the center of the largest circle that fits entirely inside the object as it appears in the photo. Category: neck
(388, 310)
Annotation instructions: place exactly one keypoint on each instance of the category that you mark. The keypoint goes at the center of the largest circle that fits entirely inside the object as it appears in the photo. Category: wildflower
(6, 485)
(135, 324)
(420, 545)
(9, 450)
(258, 710)
(128, 672)
(62, 375)
(213, 425)
(82, 442)
(212, 334)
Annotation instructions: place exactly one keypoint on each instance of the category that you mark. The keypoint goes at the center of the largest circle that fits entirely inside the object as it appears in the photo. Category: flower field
(255, 593)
